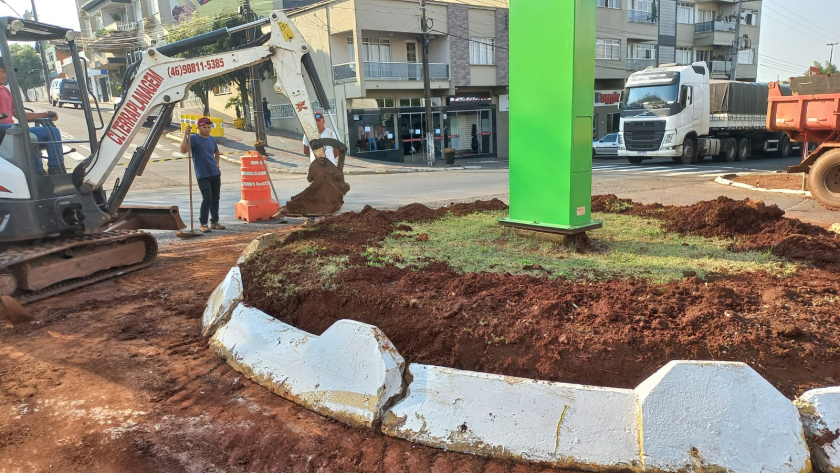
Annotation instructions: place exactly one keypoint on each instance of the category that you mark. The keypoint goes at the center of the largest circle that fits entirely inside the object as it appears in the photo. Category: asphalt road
(166, 182)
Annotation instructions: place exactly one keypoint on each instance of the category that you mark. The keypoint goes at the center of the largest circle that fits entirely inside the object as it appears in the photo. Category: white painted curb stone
(221, 302)
(257, 244)
(718, 416)
(349, 373)
(820, 412)
(506, 417)
(728, 182)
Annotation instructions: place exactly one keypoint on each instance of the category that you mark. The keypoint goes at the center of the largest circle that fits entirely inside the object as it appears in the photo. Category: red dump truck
(811, 118)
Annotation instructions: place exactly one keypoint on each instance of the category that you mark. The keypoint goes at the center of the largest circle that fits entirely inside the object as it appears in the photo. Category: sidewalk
(285, 153)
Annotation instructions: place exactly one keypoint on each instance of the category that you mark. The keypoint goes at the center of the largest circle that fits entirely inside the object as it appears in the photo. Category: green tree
(826, 68)
(199, 25)
(28, 64)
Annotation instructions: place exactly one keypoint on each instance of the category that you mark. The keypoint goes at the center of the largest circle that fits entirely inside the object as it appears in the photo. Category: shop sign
(470, 99)
(605, 98)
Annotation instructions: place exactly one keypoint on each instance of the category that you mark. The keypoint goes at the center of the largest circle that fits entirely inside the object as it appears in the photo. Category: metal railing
(637, 64)
(719, 67)
(344, 72)
(404, 71)
(130, 26)
(709, 26)
(640, 16)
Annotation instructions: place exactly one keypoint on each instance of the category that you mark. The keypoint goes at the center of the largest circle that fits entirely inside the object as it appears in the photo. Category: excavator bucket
(325, 194)
(131, 217)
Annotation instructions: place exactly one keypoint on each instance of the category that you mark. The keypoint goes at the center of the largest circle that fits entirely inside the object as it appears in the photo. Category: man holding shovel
(205, 156)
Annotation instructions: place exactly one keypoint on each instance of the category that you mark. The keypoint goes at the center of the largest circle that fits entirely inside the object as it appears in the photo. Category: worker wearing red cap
(325, 133)
(205, 156)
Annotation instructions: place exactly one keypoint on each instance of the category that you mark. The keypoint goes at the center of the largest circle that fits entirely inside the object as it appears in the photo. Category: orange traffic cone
(256, 203)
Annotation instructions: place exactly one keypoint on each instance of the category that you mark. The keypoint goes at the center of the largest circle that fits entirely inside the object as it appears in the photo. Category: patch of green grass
(626, 246)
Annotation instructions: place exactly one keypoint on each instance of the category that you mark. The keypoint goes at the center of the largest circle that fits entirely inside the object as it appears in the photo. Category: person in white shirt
(325, 133)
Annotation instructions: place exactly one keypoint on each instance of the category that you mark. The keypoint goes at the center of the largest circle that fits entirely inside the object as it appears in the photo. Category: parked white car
(606, 146)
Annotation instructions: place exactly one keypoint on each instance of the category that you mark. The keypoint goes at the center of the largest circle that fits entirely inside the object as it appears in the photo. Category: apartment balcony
(127, 26)
(638, 64)
(404, 71)
(92, 6)
(640, 16)
(714, 33)
(344, 72)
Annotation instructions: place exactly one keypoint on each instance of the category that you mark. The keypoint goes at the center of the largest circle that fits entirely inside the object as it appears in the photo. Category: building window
(608, 3)
(376, 49)
(374, 132)
(684, 56)
(749, 17)
(412, 102)
(746, 56)
(221, 89)
(134, 55)
(641, 51)
(685, 13)
(641, 5)
(705, 16)
(153, 7)
(704, 55)
(482, 51)
(608, 49)
(351, 50)
(385, 103)
(411, 51)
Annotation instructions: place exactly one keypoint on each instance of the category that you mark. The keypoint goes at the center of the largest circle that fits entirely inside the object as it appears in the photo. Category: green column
(552, 85)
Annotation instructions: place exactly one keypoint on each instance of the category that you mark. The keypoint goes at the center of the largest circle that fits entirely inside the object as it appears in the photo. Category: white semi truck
(678, 112)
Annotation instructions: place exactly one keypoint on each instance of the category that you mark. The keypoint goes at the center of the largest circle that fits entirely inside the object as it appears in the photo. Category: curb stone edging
(728, 182)
(688, 416)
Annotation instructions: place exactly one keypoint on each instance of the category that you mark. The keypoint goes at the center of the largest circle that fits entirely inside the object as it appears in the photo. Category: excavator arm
(163, 80)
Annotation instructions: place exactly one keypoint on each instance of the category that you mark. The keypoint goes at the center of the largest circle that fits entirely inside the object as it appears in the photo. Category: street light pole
(41, 47)
(427, 88)
(831, 56)
(737, 46)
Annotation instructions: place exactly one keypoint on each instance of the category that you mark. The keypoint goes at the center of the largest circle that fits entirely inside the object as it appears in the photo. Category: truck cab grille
(644, 135)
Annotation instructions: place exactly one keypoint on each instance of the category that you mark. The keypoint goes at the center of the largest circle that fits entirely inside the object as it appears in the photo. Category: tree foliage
(28, 63)
(826, 68)
(202, 24)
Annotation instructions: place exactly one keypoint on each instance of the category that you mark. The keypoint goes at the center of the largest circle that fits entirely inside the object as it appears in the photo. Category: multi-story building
(369, 59)
(629, 34)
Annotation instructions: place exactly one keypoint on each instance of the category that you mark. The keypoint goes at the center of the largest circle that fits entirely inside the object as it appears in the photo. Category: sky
(794, 33)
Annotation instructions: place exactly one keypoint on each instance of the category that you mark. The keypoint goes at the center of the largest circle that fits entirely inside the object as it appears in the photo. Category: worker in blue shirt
(205, 156)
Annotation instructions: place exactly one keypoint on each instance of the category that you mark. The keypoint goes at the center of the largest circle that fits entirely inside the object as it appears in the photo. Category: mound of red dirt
(610, 333)
(753, 224)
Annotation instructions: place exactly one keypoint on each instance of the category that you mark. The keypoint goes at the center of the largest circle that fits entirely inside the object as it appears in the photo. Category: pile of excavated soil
(754, 225)
(115, 377)
(608, 333)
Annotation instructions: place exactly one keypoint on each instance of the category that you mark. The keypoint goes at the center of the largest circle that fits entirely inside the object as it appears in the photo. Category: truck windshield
(649, 97)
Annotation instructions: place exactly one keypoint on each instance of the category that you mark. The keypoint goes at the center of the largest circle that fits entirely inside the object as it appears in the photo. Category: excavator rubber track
(55, 255)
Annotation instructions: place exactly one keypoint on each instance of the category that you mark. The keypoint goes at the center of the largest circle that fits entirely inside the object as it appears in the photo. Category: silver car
(606, 146)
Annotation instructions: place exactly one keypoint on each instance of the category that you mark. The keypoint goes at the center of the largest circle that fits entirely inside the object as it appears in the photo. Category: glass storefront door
(470, 132)
(412, 133)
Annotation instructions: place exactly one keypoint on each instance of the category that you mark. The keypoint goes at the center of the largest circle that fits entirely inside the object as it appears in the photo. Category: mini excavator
(60, 231)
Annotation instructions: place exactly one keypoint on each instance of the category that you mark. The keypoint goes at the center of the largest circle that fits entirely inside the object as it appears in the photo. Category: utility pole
(737, 46)
(831, 56)
(254, 71)
(41, 46)
(427, 87)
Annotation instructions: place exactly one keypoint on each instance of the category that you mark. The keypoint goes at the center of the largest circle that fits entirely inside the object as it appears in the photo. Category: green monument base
(552, 87)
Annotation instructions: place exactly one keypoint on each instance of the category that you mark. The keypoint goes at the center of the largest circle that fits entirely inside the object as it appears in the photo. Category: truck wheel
(784, 147)
(825, 180)
(689, 154)
(743, 149)
(635, 159)
(729, 149)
